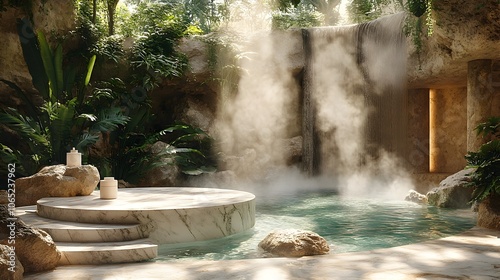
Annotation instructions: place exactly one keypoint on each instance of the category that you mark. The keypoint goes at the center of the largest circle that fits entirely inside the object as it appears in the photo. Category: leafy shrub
(191, 149)
(296, 17)
(68, 117)
(486, 178)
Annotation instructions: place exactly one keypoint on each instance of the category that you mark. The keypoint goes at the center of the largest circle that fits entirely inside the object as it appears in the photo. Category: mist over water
(357, 80)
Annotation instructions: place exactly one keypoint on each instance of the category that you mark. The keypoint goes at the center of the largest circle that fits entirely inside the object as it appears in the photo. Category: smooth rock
(452, 191)
(488, 214)
(416, 197)
(197, 113)
(9, 262)
(56, 180)
(294, 243)
(35, 249)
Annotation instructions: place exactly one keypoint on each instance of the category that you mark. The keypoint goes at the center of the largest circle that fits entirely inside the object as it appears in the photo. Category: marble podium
(90, 230)
(166, 215)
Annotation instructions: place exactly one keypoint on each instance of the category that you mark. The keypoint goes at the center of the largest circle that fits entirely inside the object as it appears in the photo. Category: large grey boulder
(197, 113)
(35, 249)
(294, 243)
(56, 180)
(452, 192)
(10, 266)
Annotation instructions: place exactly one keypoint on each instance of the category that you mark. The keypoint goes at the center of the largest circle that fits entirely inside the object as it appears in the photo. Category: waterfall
(354, 96)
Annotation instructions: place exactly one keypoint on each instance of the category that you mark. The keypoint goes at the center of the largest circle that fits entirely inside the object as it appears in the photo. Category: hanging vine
(420, 23)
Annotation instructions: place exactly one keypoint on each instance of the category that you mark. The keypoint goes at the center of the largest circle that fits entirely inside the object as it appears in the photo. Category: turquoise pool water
(347, 224)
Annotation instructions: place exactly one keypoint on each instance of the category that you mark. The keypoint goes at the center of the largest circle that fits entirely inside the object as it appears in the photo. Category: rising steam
(359, 98)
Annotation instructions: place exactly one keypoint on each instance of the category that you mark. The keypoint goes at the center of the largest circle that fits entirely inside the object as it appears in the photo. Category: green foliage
(191, 149)
(90, 29)
(129, 154)
(207, 15)
(420, 24)
(154, 56)
(366, 10)
(300, 16)
(68, 116)
(489, 128)
(486, 177)
(224, 60)
(109, 48)
(417, 7)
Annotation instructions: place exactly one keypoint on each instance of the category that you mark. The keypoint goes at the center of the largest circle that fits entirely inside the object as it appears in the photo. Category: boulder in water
(416, 197)
(294, 243)
(453, 191)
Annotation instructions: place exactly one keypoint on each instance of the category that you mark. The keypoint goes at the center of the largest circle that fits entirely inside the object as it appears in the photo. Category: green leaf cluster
(68, 117)
(191, 149)
(486, 177)
(300, 16)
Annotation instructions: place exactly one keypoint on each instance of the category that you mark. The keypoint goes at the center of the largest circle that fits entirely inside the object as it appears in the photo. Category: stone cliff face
(49, 16)
(463, 31)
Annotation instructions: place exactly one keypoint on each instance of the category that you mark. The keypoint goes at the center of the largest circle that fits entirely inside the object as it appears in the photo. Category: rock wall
(449, 125)
(463, 31)
(48, 15)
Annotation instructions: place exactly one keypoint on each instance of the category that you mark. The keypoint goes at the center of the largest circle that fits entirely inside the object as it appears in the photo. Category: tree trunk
(111, 16)
(94, 11)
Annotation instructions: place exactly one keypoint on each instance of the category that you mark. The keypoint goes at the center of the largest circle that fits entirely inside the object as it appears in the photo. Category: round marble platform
(167, 215)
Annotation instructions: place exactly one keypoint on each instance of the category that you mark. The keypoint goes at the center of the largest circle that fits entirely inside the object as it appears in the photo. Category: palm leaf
(109, 120)
(48, 64)
(90, 68)
(85, 141)
(58, 71)
(32, 57)
(23, 126)
(32, 111)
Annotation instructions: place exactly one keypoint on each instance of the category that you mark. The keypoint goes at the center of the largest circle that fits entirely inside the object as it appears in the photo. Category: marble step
(63, 231)
(108, 252)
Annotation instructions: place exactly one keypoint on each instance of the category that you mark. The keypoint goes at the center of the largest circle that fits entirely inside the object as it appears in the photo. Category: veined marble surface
(64, 231)
(110, 252)
(168, 215)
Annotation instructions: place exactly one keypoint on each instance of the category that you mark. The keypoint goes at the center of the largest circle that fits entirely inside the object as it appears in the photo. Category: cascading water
(353, 125)
(354, 95)
(341, 88)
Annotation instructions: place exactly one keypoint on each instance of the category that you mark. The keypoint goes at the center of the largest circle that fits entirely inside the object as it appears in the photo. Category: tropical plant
(207, 15)
(191, 149)
(299, 16)
(420, 24)
(154, 56)
(68, 117)
(486, 161)
(129, 154)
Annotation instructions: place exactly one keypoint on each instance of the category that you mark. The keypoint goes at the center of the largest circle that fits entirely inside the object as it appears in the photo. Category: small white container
(73, 158)
(108, 188)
